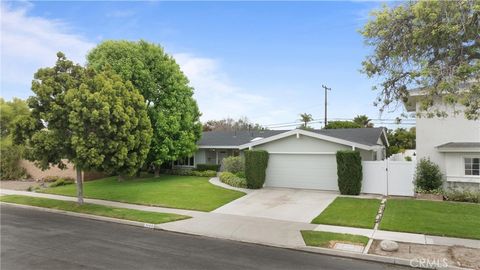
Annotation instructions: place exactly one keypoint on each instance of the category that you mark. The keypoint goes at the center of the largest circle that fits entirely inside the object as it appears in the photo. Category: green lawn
(322, 239)
(94, 209)
(434, 218)
(184, 192)
(351, 212)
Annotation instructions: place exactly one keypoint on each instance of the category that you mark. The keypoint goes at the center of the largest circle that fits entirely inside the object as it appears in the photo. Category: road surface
(33, 239)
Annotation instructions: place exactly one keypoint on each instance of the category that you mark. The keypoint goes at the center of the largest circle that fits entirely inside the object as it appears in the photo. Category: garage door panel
(302, 171)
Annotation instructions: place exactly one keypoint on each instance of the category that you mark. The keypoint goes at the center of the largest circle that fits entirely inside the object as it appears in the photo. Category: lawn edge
(41, 191)
(92, 216)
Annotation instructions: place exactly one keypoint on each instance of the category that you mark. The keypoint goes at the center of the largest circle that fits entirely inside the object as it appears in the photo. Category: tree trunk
(156, 170)
(79, 186)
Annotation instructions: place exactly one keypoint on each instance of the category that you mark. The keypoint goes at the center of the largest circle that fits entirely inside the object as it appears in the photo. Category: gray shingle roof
(460, 145)
(366, 136)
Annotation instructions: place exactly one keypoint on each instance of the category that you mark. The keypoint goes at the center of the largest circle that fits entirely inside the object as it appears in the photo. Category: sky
(263, 60)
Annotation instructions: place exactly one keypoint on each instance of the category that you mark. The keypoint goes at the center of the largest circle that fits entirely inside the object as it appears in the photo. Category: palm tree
(305, 118)
(363, 121)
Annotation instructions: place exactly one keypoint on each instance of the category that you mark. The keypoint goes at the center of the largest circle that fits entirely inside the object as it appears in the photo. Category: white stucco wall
(432, 132)
(455, 167)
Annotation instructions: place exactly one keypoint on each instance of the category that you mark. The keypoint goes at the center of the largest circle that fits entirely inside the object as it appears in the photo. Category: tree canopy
(305, 118)
(363, 121)
(95, 120)
(10, 112)
(401, 139)
(230, 124)
(341, 124)
(429, 45)
(172, 110)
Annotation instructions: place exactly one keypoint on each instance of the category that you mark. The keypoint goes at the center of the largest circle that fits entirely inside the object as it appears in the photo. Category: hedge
(189, 172)
(349, 171)
(208, 167)
(233, 180)
(256, 162)
(233, 164)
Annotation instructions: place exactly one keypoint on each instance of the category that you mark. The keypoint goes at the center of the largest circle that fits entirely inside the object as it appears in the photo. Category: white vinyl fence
(388, 177)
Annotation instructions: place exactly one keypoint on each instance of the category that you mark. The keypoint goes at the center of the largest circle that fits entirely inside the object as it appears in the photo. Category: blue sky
(263, 60)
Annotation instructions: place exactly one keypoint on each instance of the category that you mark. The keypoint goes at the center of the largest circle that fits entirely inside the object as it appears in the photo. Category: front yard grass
(434, 218)
(324, 239)
(94, 209)
(351, 212)
(184, 192)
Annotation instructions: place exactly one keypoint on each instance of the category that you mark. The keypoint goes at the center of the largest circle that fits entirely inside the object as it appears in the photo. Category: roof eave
(310, 134)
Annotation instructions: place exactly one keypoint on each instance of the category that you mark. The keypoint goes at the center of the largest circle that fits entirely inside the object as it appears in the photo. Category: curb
(88, 216)
(308, 249)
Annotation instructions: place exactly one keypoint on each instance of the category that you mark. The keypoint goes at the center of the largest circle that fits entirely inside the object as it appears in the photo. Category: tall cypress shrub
(256, 162)
(349, 171)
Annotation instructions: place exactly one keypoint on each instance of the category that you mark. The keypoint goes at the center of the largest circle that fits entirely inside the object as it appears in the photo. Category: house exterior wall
(432, 132)
(200, 157)
(301, 144)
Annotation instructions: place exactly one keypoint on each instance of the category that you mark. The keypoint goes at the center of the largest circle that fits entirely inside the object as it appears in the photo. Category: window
(472, 166)
(186, 161)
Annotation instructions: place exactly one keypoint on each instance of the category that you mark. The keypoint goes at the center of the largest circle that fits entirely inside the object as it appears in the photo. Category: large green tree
(11, 111)
(94, 120)
(401, 139)
(173, 111)
(431, 45)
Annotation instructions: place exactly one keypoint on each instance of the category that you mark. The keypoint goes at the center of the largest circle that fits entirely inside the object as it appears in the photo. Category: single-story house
(297, 158)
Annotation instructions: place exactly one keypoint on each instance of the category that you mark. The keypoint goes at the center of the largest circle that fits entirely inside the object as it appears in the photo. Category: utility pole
(329, 89)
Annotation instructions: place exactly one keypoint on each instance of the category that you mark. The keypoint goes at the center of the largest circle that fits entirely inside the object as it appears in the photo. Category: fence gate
(388, 177)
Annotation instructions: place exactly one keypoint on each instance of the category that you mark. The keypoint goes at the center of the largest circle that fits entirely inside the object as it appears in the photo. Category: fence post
(387, 173)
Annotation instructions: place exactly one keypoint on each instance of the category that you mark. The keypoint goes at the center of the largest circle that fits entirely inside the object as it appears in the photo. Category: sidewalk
(256, 229)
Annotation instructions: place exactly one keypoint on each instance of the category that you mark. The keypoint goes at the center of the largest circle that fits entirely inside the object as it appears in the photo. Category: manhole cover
(348, 247)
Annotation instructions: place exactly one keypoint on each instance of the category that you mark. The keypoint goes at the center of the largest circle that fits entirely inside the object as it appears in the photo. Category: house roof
(364, 136)
(459, 147)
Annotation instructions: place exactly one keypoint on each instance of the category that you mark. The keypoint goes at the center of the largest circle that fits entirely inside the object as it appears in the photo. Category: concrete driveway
(298, 205)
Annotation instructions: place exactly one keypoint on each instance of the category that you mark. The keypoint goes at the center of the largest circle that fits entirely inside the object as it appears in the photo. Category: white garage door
(310, 171)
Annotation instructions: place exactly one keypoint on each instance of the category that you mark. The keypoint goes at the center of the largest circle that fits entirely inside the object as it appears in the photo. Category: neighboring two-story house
(452, 142)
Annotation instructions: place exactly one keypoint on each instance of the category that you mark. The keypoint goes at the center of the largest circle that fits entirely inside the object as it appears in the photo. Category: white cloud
(29, 43)
(218, 97)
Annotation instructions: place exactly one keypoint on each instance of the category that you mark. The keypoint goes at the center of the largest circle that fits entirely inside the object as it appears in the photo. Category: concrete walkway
(401, 237)
(258, 230)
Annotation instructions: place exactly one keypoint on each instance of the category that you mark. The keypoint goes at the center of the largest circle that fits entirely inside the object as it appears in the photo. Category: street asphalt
(34, 239)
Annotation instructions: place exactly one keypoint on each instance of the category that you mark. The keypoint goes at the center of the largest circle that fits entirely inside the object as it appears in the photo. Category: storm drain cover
(348, 247)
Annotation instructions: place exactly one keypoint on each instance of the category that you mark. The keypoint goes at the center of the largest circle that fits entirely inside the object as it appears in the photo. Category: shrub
(427, 175)
(408, 158)
(463, 196)
(10, 168)
(50, 178)
(208, 167)
(207, 173)
(233, 164)
(256, 162)
(233, 180)
(241, 174)
(349, 171)
(189, 172)
(62, 182)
